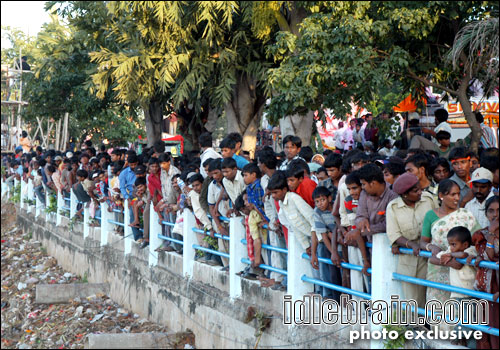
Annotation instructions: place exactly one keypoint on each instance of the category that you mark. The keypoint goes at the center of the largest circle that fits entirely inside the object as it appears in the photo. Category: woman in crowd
(437, 223)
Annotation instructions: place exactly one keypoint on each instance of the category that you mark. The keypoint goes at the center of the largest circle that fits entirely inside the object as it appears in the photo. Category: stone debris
(28, 325)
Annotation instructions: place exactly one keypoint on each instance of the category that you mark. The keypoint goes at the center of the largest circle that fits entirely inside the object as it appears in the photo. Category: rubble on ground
(27, 325)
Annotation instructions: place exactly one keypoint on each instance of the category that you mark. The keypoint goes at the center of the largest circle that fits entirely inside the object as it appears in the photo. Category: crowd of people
(432, 196)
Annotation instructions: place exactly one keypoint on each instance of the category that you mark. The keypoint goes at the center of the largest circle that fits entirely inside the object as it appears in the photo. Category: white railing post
(60, 205)
(297, 266)
(73, 204)
(15, 185)
(155, 228)
(190, 238)
(383, 286)
(105, 225)
(86, 219)
(237, 251)
(4, 188)
(31, 195)
(38, 206)
(127, 230)
(21, 197)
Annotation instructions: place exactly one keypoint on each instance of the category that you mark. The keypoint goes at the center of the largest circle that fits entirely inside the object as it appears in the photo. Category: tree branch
(414, 76)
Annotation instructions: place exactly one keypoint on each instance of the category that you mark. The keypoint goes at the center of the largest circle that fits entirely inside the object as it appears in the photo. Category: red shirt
(154, 183)
(306, 189)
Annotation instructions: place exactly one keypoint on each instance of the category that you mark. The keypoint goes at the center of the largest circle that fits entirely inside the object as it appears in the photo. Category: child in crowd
(228, 150)
(138, 204)
(295, 213)
(291, 145)
(443, 138)
(333, 165)
(298, 182)
(324, 226)
(440, 170)
(233, 181)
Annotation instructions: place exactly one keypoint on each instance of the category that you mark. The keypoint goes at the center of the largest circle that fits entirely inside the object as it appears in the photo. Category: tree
(60, 84)
(352, 50)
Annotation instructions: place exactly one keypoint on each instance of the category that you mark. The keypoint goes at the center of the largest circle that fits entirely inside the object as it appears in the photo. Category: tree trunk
(244, 112)
(476, 132)
(298, 125)
(153, 116)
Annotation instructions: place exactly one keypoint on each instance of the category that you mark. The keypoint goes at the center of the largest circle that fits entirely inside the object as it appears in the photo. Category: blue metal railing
(216, 235)
(266, 267)
(208, 250)
(269, 247)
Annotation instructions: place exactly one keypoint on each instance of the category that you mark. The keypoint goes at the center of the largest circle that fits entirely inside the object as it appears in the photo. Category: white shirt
(207, 154)
(300, 217)
(198, 211)
(234, 188)
(477, 209)
(214, 190)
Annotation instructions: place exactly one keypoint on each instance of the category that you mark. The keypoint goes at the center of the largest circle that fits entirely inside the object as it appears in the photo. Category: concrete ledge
(132, 341)
(63, 293)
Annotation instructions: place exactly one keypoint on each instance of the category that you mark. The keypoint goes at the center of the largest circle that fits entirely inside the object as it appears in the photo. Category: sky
(26, 15)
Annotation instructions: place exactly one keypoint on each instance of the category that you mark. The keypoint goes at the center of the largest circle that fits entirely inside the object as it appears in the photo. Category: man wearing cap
(481, 181)
(404, 220)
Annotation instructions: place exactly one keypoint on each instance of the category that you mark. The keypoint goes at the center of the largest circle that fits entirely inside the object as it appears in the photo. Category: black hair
(490, 201)
(385, 142)
(88, 143)
(327, 152)
(321, 191)
(215, 164)
(446, 185)
(297, 168)
(140, 181)
(443, 135)
(461, 233)
(228, 143)
(159, 146)
(402, 153)
(82, 173)
(458, 152)
(207, 162)
(489, 162)
(277, 181)
(117, 152)
(441, 115)
(267, 158)
(228, 163)
(321, 170)
(359, 157)
(437, 162)
(196, 177)
(472, 154)
(94, 160)
(164, 158)
(50, 168)
(307, 153)
(333, 160)
(295, 140)
(236, 137)
(353, 178)
(415, 151)
(205, 139)
(420, 161)
(239, 203)
(140, 169)
(42, 162)
(132, 158)
(479, 117)
(395, 168)
(371, 172)
(153, 160)
(83, 155)
(252, 168)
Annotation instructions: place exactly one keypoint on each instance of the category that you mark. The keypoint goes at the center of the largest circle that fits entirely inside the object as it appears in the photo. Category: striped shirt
(323, 222)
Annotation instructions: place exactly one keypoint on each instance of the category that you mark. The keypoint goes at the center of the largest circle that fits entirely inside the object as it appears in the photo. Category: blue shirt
(240, 161)
(127, 180)
(255, 194)
(44, 176)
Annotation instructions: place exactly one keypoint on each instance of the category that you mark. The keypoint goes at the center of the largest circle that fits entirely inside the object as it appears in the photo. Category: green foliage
(399, 342)
(16, 194)
(52, 206)
(350, 52)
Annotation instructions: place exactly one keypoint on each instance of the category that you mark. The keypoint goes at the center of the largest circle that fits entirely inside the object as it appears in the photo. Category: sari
(439, 232)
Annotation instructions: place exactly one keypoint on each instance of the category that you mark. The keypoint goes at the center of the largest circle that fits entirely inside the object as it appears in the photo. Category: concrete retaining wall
(163, 295)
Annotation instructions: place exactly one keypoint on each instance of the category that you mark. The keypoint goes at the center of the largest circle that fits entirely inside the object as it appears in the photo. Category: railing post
(38, 206)
(21, 194)
(190, 238)
(86, 219)
(73, 204)
(154, 231)
(237, 251)
(31, 195)
(297, 267)
(60, 204)
(47, 203)
(4, 188)
(383, 286)
(105, 225)
(127, 229)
